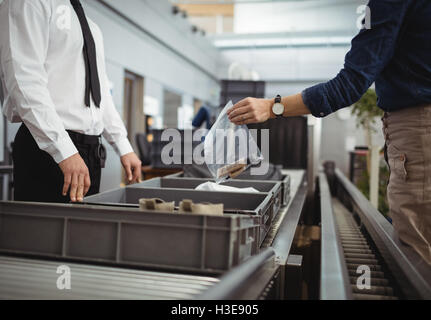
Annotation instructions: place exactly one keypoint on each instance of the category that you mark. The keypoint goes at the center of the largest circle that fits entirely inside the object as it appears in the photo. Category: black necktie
(92, 83)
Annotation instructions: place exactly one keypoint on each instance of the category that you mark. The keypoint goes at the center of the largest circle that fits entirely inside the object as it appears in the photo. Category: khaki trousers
(408, 142)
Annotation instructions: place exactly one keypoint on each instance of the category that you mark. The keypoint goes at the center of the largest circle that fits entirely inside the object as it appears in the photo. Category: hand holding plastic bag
(229, 149)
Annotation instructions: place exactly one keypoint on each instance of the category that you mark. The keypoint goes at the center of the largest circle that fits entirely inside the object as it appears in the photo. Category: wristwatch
(278, 107)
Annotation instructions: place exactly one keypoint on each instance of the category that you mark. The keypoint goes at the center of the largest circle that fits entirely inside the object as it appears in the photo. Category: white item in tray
(212, 186)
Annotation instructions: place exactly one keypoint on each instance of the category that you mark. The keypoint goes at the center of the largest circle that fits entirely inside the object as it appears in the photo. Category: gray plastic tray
(285, 185)
(255, 204)
(272, 187)
(127, 237)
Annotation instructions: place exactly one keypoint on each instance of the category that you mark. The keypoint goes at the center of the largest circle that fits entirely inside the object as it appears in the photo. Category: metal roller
(358, 252)
(360, 261)
(356, 246)
(375, 290)
(352, 255)
(36, 279)
(358, 296)
(373, 282)
(373, 274)
(373, 267)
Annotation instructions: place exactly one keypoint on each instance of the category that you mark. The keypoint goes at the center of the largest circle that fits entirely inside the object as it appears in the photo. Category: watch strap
(278, 100)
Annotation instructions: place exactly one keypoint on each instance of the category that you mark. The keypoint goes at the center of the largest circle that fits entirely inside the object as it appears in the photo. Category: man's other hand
(76, 177)
(133, 167)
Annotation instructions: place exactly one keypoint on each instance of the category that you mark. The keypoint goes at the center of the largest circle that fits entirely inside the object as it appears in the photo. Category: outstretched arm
(371, 51)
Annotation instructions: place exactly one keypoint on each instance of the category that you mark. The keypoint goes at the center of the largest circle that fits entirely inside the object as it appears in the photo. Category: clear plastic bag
(229, 149)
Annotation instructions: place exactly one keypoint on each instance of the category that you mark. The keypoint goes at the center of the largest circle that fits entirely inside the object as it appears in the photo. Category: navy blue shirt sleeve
(372, 49)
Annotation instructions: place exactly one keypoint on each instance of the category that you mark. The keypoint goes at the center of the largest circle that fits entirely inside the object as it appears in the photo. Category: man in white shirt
(53, 74)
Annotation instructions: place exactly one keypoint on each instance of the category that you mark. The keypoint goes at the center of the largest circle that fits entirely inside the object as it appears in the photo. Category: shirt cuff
(62, 150)
(316, 101)
(123, 147)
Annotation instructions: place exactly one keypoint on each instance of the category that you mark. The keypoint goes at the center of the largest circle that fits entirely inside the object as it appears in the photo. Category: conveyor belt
(355, 234)
(36, 279)
(358, 252)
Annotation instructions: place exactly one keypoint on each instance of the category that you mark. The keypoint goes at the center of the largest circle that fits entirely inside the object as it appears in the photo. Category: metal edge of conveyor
(290, 264)
(414, 284)
(334, 277)
(232, 282)
(283, 240)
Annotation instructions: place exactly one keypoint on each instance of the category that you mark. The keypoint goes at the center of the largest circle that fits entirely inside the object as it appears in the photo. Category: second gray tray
(285, 185)
(270, 187)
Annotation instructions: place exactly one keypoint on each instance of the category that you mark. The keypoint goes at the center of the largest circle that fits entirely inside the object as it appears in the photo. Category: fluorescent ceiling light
(279, 42)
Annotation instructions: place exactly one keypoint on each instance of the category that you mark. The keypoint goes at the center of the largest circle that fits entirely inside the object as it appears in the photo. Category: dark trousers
(38, 178)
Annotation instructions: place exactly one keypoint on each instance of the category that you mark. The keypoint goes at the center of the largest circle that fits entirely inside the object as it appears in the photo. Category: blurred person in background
(202, 117)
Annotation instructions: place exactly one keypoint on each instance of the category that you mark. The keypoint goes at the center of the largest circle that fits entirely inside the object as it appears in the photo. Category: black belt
(80, 138)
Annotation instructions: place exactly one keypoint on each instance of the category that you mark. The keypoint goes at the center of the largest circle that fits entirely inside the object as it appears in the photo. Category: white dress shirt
(43, 77)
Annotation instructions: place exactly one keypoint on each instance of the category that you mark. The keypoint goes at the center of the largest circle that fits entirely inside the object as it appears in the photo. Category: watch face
(278, 109)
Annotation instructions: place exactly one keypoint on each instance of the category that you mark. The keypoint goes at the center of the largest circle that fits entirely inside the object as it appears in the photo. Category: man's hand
(251, 110)
(76, 177)
(133, 167)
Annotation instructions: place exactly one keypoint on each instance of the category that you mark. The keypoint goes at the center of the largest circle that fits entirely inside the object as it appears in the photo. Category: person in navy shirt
(395, 54)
